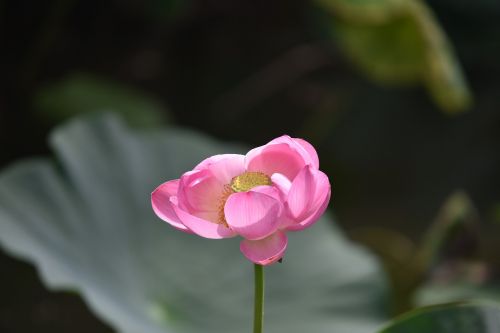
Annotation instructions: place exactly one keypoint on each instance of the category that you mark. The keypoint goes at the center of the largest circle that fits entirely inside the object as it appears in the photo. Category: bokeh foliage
(251, 72)
(400, 41)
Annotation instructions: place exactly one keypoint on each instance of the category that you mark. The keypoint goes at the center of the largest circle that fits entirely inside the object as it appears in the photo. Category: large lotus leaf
(87, 224)
(400, 41)
(459, 318)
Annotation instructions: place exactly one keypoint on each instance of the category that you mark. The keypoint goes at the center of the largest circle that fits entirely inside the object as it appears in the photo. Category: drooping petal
(160, 200)
(265, 251)
(203, 227)
(252, 214)
(275, 158)
(308, 198)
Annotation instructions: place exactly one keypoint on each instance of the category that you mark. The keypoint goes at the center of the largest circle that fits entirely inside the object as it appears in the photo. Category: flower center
(248, 180)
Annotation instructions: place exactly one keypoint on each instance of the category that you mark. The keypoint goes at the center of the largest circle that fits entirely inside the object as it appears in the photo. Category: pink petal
(275, 192)
(160, 200)
(227, 167)
(313, 155)
(281, 182)
(271, 191)
(304, 148)
(207, 161)
(265, 251)
(203, 227)
(199, 191)
(252, 214)
(301, 192)
(308, 198)
(275, 158)
(311, 219)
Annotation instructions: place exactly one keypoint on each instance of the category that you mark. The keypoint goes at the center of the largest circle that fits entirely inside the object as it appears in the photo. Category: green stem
(259, 299)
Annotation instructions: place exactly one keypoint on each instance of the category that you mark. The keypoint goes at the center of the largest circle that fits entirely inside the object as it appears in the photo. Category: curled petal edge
(162, 206)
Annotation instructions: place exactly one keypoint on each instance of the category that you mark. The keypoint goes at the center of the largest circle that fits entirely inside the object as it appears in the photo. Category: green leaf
(457, 318)
(398, 42)
(87, 224)
(390, 52)
(83, 93)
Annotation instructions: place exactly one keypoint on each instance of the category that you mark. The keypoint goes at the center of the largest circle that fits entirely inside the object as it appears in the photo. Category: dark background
(249, 71)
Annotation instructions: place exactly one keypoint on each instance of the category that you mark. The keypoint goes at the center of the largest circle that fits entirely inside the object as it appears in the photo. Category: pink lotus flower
(260, 196)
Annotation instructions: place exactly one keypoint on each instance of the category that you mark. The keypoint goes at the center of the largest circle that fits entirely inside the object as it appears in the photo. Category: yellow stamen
(248, 180)
(222, 202)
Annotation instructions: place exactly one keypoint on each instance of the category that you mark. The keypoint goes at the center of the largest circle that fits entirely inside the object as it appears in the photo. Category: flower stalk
(258, 318)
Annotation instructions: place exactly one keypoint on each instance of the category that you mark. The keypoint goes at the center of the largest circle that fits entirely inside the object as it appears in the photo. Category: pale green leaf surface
(87, 224)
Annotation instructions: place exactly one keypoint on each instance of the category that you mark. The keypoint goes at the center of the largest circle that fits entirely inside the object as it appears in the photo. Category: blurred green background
(399, 97)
